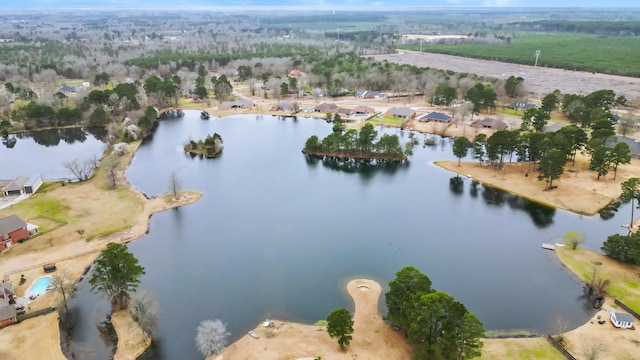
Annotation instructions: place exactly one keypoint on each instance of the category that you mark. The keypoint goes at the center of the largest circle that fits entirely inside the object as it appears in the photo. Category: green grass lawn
(623, 280)
(572, 51)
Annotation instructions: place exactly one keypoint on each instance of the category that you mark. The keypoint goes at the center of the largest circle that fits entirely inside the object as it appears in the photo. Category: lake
(278, 235)
(44, 152)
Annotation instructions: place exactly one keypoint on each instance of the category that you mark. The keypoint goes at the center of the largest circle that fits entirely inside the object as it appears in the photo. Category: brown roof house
(401, 112)
(345, 111)
(12, 230)
(327, 108)
(8, 313)
(363, 110)
(489, 123)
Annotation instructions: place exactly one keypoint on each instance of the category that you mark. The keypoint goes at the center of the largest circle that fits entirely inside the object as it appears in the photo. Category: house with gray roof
(634, 145)
(8, 313)
(12, 230)
(15, 186)
(285, 106)
(436, 116)
(400, 112)
(621, 320)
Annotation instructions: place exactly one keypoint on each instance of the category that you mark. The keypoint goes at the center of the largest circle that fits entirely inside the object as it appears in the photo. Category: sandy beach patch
(372, 337)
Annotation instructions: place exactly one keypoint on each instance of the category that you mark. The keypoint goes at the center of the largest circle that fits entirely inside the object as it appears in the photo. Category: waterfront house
(400, 112)
(238, 104)
(327, 108)
(436, 116)
(621, 320)
(14, 187)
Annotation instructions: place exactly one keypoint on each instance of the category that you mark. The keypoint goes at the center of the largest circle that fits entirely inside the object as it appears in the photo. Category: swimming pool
(39, 286)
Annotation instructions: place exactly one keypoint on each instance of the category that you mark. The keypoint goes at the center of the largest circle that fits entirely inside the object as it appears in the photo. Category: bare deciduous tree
(81, 170)
(174, 184)
(211, 337)
(144, 310)
(62, 284)
(592, 348)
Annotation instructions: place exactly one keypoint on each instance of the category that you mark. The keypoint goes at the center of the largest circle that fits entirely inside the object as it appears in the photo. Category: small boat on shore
(253, 334)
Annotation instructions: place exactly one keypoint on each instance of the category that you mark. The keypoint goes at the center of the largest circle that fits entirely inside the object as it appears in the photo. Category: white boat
(253, 334)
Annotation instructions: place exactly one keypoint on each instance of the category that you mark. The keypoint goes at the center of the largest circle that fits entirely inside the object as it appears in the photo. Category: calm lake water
(277, 235)
(45, 152)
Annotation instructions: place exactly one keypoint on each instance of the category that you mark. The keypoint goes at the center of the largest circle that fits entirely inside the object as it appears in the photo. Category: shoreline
(373, 338)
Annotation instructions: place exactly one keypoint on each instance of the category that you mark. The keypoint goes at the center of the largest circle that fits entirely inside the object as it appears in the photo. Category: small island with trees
(358, 145)
(210, 147)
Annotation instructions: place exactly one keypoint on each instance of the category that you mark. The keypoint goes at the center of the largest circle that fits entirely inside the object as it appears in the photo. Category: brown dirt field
(578, 190)
(131, 340)
(372, 337)
(36, 338)
(538, 80)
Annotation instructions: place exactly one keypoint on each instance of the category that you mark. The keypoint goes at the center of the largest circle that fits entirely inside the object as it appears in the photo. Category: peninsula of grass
(624, 278)
(210, 147)
(604, 54)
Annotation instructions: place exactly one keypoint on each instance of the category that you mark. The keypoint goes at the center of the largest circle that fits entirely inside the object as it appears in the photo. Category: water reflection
(456, 185)
(541, 215)
(53, 137)
(9, 141)
(366, 170)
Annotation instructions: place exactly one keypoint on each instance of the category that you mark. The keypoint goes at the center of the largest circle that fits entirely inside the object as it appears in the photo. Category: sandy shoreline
(372, 337)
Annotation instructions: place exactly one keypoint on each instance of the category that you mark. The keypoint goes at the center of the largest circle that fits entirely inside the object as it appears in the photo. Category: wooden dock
(548, 246)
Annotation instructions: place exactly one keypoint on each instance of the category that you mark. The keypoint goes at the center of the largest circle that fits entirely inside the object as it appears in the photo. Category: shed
(33, 184)
(436, 116)
(621, 320)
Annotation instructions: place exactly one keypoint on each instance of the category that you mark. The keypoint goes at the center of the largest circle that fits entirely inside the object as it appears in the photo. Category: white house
(621, 320)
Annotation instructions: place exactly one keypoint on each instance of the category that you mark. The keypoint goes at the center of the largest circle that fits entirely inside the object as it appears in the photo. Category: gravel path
(538, 80)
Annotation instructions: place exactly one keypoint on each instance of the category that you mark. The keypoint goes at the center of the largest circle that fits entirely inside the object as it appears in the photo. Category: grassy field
(624, 279)
(585, 52)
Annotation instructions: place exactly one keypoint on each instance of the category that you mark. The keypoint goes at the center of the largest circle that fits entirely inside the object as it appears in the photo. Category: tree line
(548, 152)
(438, 326)
(357, 144)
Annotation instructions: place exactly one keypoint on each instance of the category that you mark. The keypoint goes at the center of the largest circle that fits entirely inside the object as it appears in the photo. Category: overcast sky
(367, 4)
